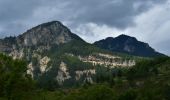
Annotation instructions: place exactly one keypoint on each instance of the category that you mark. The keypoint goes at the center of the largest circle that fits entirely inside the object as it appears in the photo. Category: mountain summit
(48, 33)
(127, 44)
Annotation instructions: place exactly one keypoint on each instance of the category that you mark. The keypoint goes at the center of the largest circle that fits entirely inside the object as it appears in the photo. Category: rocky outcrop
(15, 54)
(44, 64)
(107, 60)
(63, 74)
(86, 73)
(30, 70)
(88, 79)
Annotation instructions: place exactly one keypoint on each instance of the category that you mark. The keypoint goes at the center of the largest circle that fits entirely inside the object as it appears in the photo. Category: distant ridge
(127, 44)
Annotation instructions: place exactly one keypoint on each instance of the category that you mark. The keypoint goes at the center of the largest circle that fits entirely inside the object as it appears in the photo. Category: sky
(147, 20)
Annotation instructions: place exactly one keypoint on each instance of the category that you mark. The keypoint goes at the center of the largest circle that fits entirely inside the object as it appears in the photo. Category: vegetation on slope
(14, 83)
(147, 80)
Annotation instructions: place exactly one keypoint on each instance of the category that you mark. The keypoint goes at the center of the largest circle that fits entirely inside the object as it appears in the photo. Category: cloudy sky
(147, 20)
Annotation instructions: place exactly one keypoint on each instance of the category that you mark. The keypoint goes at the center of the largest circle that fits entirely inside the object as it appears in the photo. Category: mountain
(147, 80)
(56, 57)
(47, 34)
(129, 45)
(42, 35)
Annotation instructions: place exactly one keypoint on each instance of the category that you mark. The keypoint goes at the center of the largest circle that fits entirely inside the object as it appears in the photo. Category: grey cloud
(163, 47)
(16, 9)
(115, 13)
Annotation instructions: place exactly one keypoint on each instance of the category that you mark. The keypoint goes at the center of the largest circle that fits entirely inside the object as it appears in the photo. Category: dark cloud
(16, 10)
(115, 13)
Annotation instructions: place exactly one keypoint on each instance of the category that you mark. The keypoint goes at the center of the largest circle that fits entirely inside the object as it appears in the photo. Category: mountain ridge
(127, 44)
(122, 43)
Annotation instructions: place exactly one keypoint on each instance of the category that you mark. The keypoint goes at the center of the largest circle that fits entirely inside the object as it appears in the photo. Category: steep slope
(56, 57)
(127, 44)
(47, 34)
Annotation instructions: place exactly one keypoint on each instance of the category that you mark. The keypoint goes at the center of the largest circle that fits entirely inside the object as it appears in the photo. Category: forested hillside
(147, 80)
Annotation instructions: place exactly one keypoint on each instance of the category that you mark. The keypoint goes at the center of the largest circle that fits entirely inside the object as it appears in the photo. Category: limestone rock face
(63, 74)
(87, 74)
(44, 64)
(30, 70)
(46, 34)
(107, 60)
(17, 54)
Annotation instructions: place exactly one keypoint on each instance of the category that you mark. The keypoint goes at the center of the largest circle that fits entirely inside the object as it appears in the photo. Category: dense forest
(147, 80)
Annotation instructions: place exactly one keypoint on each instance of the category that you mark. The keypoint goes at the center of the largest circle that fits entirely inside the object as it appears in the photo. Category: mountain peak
(121, 37)
(127, 44)
(47, 24)
(50, 25)
(53, 32)
(109, 38)
(126, 37)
